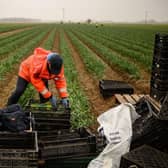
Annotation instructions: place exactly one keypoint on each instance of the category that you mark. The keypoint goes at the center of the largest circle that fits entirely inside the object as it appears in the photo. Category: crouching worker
(37, 69)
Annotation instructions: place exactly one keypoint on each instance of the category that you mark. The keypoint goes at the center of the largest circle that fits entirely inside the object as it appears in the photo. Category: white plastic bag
(116, 125)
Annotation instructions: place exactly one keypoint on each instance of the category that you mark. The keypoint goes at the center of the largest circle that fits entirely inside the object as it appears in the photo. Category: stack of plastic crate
(151, 127)
(59, 144)
(144, 157)
(47, 120)
(159, 77)
(18, 150)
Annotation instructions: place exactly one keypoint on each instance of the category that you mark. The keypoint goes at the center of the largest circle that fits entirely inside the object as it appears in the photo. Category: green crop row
(118, 41)
(11, 27)
(92, 63)
(15, 44)
(50, 40)
(5, 40)
(7, 65)
(111, 57)
(79, 104)
(142, 58)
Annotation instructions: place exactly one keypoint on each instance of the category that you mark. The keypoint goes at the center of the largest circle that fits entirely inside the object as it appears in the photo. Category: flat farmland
(91, 52)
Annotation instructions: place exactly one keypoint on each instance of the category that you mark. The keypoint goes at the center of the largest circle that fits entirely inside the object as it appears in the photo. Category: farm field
(91, 53)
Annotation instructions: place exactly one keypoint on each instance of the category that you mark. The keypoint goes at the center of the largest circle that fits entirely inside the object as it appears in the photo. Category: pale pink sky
(77, 10)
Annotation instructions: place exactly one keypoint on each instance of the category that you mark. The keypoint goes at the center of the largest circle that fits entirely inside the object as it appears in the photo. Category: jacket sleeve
(40, 86)
(60, 83)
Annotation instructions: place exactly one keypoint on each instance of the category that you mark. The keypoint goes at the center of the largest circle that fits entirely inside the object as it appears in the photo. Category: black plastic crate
(161, 85)
(35, 106)
(160, 74)
(146, 130)
(52, 133)
(111, 87)
(78, 161)
(161, 40)
(68, 144)
(50, 121)
(163, 114)
(18, 150)
(161, 64)
(161, 54)
(51, 124)
(59, 135)
(163, 46)
(144, 157)
(46, 119)
(157, 94)
(71, 134)
(51, 114)
(161, 142)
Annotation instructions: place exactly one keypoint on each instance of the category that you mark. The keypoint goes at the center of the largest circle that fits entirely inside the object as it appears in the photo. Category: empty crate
(18, 150)
(68, 144)
(47, 120)
(111, 87)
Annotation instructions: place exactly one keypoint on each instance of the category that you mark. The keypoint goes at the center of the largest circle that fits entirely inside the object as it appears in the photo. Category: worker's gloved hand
(53, 102)
(65, 102)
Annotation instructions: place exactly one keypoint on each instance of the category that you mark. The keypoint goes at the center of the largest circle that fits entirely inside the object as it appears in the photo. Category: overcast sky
(77, 10)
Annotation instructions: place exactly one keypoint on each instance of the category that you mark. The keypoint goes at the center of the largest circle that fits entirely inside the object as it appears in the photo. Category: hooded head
(54, 63)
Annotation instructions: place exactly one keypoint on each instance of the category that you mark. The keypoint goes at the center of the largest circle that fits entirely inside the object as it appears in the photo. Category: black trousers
(21, 86)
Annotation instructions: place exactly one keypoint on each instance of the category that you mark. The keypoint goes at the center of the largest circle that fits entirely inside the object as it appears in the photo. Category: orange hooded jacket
(34, 69)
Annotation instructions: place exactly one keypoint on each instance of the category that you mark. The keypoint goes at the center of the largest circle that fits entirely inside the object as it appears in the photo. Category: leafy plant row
(48, 44)
(11, 27)
(7, 65)
(143, 58)
(111, 57)
(131, 45)
(92, 63)
(4, 40)
(80, 106)
(15, 44)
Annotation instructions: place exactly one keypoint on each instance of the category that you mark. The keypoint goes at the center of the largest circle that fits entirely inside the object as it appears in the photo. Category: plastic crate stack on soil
(58, 143)
(150, 128)
(18, 147)
(159, 77)
(144, 157)
(65, 146)
(18, 150)
(46, 119)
